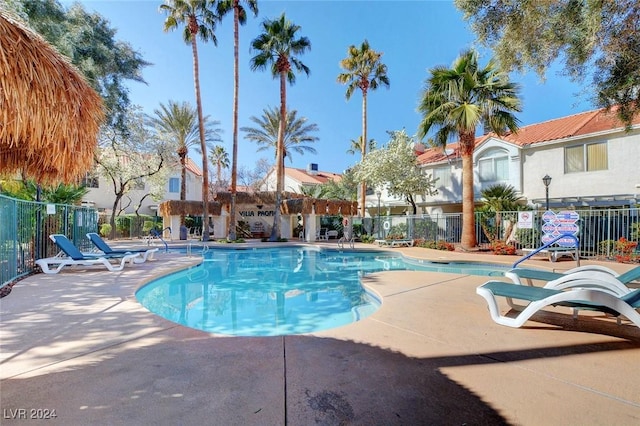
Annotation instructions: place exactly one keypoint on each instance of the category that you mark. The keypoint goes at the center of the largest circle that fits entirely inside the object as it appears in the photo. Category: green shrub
(528, 237)
(105, 229)
(148, 226)
(367, 239)
(436, 245)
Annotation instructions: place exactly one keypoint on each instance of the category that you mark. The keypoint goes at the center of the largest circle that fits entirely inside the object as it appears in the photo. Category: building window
(174, 184)
(443, 174)
(586, 158)
(494, 166)
(90, 180)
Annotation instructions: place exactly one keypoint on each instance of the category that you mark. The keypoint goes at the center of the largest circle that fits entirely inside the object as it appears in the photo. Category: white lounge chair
(106, 249)
(583, 296)
(73, 256)
(395, 243)
(519, 275)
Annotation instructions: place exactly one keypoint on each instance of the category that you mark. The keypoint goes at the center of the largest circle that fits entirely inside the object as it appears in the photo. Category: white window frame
(494, 158)
(171, 183)
(444, 175)
(584, 164)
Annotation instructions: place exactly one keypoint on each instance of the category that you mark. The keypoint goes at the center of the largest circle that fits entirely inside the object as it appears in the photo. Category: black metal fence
(597, 229)
(25, 227)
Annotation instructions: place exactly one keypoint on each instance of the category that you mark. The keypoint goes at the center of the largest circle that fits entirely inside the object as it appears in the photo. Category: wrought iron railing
(25, 227)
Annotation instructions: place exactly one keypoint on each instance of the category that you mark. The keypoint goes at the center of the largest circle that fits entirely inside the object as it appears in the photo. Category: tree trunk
(183, 182)
(275, 231)
(203, 145)
(363, 185)
(234, 155)
(468, 238)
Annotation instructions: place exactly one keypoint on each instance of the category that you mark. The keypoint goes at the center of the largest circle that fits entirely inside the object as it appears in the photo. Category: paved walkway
(80, 344)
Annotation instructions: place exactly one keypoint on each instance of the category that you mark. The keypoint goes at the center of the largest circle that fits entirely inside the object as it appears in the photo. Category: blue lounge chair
(73, 256)
(105, 248)
(582, 296)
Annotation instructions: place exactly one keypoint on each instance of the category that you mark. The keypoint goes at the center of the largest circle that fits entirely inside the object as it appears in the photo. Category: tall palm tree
(220, 158)
(356, 145)
(277, 47)
(458, 99)
(178, 123)
(199, 20)
(296, 132)
(364, 70)
(239, 17)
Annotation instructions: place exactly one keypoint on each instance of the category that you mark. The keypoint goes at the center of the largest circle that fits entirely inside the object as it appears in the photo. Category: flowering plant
(624, 250)
(436, 245)
(500, 247)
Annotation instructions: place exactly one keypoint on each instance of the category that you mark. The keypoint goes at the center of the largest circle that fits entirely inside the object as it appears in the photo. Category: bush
(436, 245)
(368, 239)
(502, 248)
(148, 226)
(528, 237)
(622, 250)
(105, 229)
(397, 236)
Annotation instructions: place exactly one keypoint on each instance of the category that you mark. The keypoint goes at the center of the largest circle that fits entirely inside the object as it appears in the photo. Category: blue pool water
(278, 291)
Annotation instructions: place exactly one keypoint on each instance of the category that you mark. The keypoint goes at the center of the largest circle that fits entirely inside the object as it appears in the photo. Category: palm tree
(199, 20)
(220, 158)
(498, 199)
(364, 71)
(356, 145)
(239, 17)
(277, 47)
(178, 122)
(455, 101)
(295, 135)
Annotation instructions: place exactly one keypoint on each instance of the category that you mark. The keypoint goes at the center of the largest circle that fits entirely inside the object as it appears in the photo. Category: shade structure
(191, 208)
(49, 115)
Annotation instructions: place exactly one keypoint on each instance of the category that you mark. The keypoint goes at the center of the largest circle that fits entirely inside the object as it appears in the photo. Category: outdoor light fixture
(547, 181)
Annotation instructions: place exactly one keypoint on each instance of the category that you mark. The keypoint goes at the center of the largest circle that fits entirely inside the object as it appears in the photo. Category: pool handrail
(548, 244)
(153, 233)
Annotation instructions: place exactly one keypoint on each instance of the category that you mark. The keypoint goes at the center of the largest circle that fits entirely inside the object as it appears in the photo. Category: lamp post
(378, 194)
(547, 181)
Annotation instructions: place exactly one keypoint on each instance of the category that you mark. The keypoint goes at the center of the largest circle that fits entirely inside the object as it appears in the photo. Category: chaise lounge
(583, 295)
(519, 275)
(74, 257)
(395, 243)
(106, 249)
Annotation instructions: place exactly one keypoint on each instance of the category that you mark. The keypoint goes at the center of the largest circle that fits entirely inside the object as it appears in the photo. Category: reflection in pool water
(274, 291)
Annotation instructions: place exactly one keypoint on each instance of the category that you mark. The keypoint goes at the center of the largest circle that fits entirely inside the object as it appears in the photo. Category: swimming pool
(278, 291)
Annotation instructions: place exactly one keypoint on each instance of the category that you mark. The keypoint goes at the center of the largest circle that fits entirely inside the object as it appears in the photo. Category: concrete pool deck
(80, 344)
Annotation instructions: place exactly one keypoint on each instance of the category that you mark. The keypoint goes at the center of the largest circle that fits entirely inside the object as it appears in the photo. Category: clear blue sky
(414, 36)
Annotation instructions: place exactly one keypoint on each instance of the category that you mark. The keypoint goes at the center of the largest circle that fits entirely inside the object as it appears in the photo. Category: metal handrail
(154, 233)
(546, 245)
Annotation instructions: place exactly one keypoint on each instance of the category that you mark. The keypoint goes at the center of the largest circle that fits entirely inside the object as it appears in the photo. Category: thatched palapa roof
(49, 115)
(254, 197)
(190, 208)
(291, 204)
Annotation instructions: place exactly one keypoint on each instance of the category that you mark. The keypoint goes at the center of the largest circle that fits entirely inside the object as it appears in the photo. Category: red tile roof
(581, 124)
(191, 166)
(437, 154)
(304, 177)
